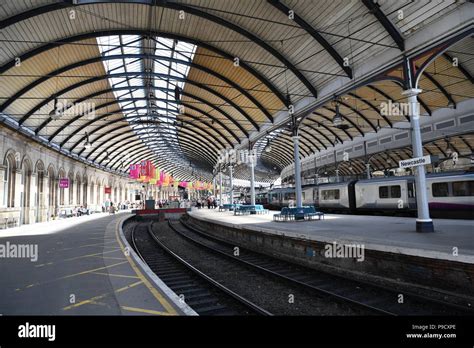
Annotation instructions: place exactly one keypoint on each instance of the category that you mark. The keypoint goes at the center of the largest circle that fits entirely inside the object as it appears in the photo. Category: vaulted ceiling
(115, 82)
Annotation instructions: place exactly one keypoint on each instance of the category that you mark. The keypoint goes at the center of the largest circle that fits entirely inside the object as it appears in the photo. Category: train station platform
(389, 247)
(383, 233)
(78, 266)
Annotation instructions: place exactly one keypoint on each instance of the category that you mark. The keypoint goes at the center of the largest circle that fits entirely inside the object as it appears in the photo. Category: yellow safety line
(141, 310)
(116, 275)
(169, 308)
(99, 297)
(90, 255)
(91, 270)
(87, 245)
(73, 275)
(110, 257)
(83, 256)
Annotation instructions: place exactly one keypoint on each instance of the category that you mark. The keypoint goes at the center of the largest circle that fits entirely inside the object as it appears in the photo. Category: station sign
(63, 183)
(107, 190)
(415, 162)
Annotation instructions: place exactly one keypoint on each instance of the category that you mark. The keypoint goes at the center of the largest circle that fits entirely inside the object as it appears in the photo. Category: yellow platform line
(90, 255)
(116, 275)
(110, 257)
(99, 297)
(87, 245)
(82, 256)
(92, 270)
(169, 308)
(142, 310)
(74, 275)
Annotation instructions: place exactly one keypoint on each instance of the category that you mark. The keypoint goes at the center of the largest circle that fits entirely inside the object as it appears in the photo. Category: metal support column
(220, 188)
(231, 200)
(367, 167)
(423, 222)
(296, 149)
(252, 180)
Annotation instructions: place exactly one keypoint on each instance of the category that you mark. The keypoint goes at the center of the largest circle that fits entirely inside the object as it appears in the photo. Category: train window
(383, 192)
(440, 189)
(302, 195)
(463, 188)
(330, 194)
(395, 191)
(289, 195)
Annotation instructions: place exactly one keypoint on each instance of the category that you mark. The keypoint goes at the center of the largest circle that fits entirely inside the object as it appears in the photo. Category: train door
(411, 193)
(352, 196)
(316, 196)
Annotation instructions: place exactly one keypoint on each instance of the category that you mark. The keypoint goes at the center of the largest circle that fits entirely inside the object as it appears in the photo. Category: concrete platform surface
(452, 239)
(77, 266)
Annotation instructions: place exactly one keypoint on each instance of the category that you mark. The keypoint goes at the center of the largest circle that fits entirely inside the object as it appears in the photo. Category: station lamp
(378, 126)
(337, 120)
(268, 147)
(55, 114)
(87, 144)
(449, 150)
(107, 157)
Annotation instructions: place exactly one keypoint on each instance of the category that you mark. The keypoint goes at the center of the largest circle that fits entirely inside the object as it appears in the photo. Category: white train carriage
(451, 195)
(385, 194)
(337, 196)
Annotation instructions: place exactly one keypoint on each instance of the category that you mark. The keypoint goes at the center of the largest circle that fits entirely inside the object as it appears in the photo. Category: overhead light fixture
(337, 119)
(107, 158)
(268, 147)
(55, 114)
(449, 149)
(378, 126)
(87, 144)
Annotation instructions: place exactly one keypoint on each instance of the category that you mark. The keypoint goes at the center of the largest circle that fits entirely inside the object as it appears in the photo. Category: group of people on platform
(111, 208)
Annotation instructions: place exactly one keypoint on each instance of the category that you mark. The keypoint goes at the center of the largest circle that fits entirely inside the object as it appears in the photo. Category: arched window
(9, 181)
(78, 189)
(61, 190)
(85, 183)
(91, 193)
(71, 188)
(52, 190)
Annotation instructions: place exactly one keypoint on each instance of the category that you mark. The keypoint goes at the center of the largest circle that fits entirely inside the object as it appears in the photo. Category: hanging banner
(134, 171)
(107, 190)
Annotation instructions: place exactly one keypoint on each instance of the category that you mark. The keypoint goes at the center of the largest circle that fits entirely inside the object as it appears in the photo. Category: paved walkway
(385, 233)
(80, 268)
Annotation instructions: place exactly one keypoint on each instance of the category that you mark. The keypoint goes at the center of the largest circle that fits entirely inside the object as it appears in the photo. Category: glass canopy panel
(148, 94)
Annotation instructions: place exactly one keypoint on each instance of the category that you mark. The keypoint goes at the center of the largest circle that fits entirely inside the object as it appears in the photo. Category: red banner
(108, 190)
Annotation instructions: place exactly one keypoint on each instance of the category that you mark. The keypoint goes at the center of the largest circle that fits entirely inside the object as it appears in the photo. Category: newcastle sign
(415, 162)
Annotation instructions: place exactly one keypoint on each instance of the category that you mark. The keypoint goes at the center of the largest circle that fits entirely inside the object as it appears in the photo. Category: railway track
(374, 298)
(202, 293)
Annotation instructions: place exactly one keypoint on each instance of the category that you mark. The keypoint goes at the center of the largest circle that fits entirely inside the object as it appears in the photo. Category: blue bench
(303, 213)
(230, 207)
(250, 209)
